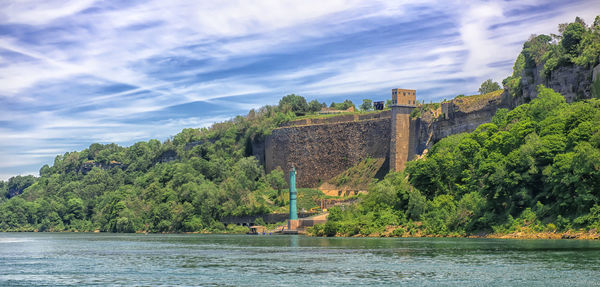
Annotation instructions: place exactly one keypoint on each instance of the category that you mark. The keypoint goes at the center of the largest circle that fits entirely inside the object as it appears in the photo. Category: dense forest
(536, 167)
(187, 183)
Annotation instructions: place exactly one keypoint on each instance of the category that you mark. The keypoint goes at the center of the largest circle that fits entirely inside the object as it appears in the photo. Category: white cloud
(40, 12)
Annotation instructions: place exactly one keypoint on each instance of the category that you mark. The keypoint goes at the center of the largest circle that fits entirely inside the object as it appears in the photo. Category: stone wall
(460, 118)
(320, 152)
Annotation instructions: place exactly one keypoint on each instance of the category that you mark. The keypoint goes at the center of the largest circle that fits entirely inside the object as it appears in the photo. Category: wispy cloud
(77, 72)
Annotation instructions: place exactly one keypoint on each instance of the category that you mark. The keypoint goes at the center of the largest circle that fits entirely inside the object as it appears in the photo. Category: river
(87, 259)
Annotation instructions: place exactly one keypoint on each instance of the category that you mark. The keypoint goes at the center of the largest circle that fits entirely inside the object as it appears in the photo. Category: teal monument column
(293, 221)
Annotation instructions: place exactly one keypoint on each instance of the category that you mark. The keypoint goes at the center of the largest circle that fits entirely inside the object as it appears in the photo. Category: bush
(398, 232)
(330, 228)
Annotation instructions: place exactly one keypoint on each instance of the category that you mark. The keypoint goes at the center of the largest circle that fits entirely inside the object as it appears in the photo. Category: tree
(295, 103)
(366, 105)
(314, 106)
(342, 106)
(572, 36)
(276, 179)
(488, 86)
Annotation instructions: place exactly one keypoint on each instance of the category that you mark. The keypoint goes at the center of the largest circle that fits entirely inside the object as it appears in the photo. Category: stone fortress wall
(319, 152)
(322, 148)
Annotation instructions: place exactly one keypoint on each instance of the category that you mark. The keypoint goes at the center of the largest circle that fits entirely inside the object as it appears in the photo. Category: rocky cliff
(573, 82)
(463, 115)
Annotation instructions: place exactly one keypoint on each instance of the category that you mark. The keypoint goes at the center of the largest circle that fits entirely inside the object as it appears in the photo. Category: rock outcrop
(464, 115)
(573, 82)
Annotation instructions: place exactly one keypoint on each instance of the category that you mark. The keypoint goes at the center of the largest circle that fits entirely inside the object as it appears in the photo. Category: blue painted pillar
(293, 195)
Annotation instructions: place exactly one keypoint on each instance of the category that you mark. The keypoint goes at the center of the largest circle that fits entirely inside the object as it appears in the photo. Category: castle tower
(402, 138)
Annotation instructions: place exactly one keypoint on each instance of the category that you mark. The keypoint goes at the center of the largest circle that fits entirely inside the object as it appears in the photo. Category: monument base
(293, 224)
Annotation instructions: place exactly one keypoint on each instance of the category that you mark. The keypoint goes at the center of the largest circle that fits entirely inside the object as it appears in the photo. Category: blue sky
(77, 72)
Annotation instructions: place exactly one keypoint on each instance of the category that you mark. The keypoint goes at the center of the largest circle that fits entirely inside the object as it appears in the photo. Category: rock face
(322, 151)
(573, 82)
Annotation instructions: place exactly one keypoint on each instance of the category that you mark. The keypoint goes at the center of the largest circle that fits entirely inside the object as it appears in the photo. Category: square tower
(403, 137)
(404, 97)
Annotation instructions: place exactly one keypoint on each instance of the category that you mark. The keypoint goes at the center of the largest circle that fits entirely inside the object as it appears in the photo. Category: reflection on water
(47, 259)
(294, 240)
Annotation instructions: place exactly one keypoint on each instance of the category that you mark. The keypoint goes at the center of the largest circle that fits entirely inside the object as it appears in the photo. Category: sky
(73, 73)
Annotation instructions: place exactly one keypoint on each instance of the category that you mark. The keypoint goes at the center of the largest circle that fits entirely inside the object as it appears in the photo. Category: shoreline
(567, 235)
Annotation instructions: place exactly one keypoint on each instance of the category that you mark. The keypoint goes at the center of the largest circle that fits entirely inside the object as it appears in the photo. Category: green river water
(84, 259)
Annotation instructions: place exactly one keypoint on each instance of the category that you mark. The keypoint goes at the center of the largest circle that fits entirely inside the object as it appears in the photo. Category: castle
(320, 149)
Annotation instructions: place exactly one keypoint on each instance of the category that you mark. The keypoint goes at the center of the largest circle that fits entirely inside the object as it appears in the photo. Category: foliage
(185, 184)
(342, 106)
(488, 86)
(366, 105)
(358, 176)
(314, 106)
(579, 45)
(296, 104)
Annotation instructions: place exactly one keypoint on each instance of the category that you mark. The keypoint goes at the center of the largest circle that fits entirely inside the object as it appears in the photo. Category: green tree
(314, 106)
(488, 86)
(17, 184)
(276, 179)
(342, 106)
(296, 104)
(572, 36)
(366, 105)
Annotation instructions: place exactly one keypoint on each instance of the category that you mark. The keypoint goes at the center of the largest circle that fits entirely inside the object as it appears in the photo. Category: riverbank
(393, 231)
(523, 233)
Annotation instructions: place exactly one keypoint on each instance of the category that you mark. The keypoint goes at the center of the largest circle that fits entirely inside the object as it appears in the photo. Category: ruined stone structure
(320, 149)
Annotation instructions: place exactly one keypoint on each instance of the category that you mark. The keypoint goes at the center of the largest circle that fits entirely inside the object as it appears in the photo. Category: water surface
(80, 259)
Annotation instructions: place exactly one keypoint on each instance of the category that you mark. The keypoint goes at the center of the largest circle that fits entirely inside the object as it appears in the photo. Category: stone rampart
(320, 152)
(322, 148)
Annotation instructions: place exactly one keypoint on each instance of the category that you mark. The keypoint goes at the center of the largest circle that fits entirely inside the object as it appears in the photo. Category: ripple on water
(46, 259)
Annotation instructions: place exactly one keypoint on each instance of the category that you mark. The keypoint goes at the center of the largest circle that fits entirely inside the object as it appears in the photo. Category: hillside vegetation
(187, 183)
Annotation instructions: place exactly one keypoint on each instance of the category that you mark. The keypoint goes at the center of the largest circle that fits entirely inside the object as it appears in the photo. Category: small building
(378, 106)
(404, 97)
